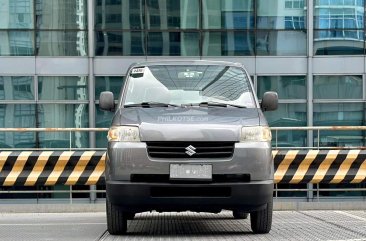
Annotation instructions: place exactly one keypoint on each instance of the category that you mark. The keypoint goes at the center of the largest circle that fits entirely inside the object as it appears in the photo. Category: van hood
(188, 124)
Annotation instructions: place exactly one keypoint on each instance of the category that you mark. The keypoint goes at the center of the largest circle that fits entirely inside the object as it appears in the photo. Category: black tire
(261, 221)
(240, 215)
(116, 219)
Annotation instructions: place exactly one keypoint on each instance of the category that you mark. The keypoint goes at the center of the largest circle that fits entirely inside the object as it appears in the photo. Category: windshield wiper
(215, 104)
(151, 104)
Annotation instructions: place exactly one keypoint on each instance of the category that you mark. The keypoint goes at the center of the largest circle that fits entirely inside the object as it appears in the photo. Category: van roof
(186, 62)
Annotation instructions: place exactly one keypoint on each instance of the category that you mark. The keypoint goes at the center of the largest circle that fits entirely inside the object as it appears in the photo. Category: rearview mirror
(269, 101)
(106, 101)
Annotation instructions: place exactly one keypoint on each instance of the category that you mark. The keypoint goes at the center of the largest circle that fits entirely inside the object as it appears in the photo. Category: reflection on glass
(16, 14)
(340, 114)
(341, 27)
(184, 85)
(119, 14)
(287, 87)
(338, 87)
(173, 43)
(338, 42)
(281, 14)
(291, 186)
(342, 14)
(285, 43)
(65, 14)
(16, 43)
(62, 140)
(120, 43)
(342, 186)
(172, 14)
(108, 83)
(16, 88)
(228, 14)
(64, 115)
(102, 119)
(228, 43)
(43, 115)
(62, 43)
(288, 115)
(63, 88)
(17, 116)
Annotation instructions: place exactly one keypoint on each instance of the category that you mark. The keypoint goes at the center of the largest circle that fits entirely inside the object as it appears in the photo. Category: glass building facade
(57, 56)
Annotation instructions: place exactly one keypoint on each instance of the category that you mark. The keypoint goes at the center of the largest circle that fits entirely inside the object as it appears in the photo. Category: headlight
(124, 133)
(255, 133)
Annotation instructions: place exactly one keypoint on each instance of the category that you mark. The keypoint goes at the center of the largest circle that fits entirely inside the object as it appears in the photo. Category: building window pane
(66, 14)
(16, 43)
(228, 14)
(288, 115)
(172, 14)
(340, 194)
(63, 88)
(339, 42)
(120, 14)
(281, 43)
(173, 43)
(16, 14)
(339, 15)
(16, 88)
(233, 43)
(120, 43)
(281, 14)
(17, 116)
(287, 87)
(103, 119)
(62, 43)
(108, 83)
(340, 114)
(339, 27)
(63, 115)
(62, 140)
(338, 87)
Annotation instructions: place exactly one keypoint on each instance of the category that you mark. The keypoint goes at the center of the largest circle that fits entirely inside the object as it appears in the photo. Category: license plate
(190, 171)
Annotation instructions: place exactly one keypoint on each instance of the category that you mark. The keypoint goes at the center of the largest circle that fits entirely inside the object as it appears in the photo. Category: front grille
(190, 149)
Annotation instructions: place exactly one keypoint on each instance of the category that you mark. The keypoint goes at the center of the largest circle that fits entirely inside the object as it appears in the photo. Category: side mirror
(269, 101)
(106, 101)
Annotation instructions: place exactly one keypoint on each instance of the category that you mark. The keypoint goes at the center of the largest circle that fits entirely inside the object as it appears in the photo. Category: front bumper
(127, 158)
(139, 197)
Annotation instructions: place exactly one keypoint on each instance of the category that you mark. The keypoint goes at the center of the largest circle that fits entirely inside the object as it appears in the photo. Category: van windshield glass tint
(187, 84)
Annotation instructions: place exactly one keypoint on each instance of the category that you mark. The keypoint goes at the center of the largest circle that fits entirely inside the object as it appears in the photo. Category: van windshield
(180, 85)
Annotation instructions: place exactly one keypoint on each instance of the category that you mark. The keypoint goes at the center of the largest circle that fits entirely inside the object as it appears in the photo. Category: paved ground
(287, 225)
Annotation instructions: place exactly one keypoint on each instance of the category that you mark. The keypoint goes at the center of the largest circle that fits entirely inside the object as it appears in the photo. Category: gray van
(189, 135)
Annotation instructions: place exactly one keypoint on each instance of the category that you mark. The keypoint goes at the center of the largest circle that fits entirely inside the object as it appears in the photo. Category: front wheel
(261, 221)
(116, 219)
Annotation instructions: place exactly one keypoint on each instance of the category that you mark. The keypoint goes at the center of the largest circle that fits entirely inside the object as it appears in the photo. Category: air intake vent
(190, 149)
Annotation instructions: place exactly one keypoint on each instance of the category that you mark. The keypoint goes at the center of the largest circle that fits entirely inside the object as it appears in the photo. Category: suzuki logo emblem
(190, 150)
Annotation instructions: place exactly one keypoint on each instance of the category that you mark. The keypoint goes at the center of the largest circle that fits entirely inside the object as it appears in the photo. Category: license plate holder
(191, 172)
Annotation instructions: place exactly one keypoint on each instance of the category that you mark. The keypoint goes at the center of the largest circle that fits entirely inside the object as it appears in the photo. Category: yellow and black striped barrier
(29, 168)
(320, 166)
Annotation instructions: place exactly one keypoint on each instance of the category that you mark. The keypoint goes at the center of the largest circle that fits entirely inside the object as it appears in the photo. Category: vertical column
(90, 6)
(310, 26)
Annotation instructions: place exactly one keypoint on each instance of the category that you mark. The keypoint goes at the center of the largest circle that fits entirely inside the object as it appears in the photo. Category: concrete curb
(100, 207)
